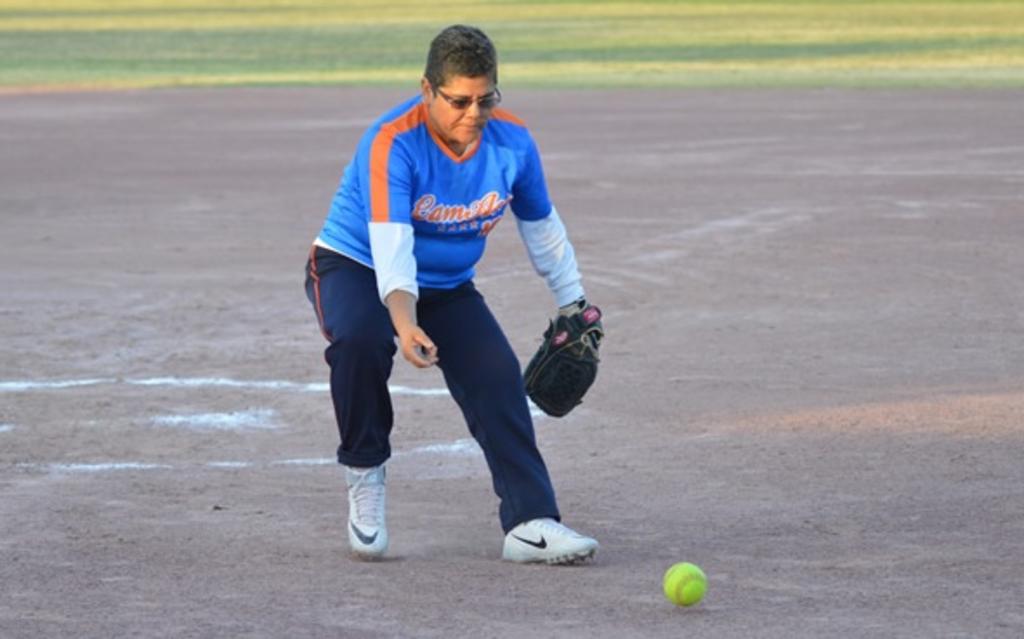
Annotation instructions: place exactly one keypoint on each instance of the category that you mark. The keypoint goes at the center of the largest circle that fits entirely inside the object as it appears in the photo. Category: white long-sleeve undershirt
(547, 245)
(391, 246)
(552, 256)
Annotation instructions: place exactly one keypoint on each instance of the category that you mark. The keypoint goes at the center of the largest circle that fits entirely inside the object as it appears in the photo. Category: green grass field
(148, 43)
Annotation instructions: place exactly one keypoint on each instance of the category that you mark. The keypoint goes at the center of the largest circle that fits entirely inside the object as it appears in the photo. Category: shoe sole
(572, 559)
(367, 557)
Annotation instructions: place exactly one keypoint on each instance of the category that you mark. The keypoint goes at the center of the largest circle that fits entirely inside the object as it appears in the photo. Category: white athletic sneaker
(367, 502)
(547, 541)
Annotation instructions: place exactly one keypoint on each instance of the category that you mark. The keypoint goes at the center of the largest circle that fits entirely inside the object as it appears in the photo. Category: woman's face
(459, 109)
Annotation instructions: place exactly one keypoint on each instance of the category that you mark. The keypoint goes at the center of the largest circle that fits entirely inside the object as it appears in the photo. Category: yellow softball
(685, 584)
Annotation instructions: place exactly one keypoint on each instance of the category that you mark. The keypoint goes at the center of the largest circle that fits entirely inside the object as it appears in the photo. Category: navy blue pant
(479, 366)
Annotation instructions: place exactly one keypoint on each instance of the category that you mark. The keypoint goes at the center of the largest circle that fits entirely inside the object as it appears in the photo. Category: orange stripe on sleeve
(505, 116)
(380, 154)
(380, 206)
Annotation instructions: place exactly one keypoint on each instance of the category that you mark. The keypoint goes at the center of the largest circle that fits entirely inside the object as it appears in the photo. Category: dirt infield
(812, 382)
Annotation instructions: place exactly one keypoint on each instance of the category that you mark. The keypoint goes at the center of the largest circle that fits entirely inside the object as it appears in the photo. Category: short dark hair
(460, 51)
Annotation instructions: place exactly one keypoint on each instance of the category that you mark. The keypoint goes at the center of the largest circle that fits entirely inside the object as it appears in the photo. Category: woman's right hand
(417, 347)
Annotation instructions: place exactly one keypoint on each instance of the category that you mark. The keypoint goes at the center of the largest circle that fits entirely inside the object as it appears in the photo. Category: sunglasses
(485, 103)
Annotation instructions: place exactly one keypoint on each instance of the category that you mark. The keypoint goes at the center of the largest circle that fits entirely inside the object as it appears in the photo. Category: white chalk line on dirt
(766, 220)
(253, 419)
(15, 386)
(995, 150)
(229, 464)
(759, 222)
(96, 468)
(257, 419)
(466, 447)
(651, 253)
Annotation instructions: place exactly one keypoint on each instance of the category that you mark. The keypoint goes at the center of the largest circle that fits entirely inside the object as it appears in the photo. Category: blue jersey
(402, 172)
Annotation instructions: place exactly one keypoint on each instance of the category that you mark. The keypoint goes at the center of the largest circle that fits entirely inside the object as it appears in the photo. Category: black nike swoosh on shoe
(363, 537)
(542, 544)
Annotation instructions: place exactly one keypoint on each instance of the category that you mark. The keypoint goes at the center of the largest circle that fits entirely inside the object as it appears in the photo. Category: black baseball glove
(565, 366)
